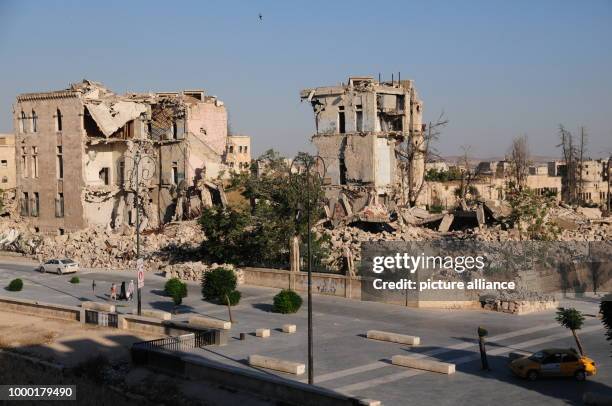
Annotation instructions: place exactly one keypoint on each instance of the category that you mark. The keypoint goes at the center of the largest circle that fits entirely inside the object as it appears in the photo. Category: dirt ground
(64, 342)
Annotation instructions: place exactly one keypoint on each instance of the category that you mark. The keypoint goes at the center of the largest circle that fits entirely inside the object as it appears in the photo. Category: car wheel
(59, 271)
(580, 375)
(532, 375)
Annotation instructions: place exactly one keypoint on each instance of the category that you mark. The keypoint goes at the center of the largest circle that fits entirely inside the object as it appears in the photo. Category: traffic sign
(140, 272)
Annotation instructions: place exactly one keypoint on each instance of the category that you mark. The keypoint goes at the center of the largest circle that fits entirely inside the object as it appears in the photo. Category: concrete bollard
(262, 332)
(289, 328)
(277, 364)
(210, 323)
(243, 336)
(101, 307)
(393, 337)
(424, 364)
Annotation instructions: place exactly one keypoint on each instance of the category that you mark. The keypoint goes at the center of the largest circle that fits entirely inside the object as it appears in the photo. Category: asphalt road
(346, 361)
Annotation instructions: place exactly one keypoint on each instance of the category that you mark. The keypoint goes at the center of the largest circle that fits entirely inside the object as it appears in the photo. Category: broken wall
(209, 121)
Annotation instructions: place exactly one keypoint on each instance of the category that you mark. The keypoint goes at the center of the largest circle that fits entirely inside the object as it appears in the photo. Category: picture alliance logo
(411, 263)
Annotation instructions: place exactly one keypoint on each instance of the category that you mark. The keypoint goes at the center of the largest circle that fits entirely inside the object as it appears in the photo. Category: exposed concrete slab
(210, 322)
(424, 364)
(277, 364)
(447, 220)
(393, 337)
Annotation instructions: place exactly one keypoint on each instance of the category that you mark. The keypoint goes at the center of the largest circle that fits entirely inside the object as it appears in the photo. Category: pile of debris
(193, 271)
(519, 302)
(99, 247)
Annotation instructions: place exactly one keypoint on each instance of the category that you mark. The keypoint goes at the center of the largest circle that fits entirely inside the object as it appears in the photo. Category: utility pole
(310, 163)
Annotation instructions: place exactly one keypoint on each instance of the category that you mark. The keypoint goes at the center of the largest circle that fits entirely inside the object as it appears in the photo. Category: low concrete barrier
(289, 328)
(281, 390)
(101, 307)
(262, 332)
(208, 322)
(154, 314)
(35, 308)
(277, 364)
(393, 337)
(424, 364)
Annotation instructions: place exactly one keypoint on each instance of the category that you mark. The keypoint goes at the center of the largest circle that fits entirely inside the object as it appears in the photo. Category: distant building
(238, 153)
(7, 161)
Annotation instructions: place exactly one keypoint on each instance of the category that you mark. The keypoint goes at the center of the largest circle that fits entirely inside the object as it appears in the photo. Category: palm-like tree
(572, 319)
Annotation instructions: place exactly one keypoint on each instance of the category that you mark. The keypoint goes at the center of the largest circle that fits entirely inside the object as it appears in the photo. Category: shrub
(75, 279)
(16, 285)
(219, 285)
(176, 289)
(287, 301)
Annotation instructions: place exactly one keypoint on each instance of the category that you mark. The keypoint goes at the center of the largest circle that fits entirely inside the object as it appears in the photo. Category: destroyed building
(238, 153)
(7, 161)
(360, 126)
(76, 150)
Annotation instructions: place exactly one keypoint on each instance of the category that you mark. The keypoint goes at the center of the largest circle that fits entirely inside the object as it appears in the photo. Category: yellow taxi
(554, 362)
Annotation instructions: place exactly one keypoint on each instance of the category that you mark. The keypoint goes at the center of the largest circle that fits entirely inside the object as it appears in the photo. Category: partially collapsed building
(361, 128)
(76, 150)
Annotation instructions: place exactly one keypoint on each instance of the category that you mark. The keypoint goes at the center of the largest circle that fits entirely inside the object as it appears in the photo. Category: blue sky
(498, 69)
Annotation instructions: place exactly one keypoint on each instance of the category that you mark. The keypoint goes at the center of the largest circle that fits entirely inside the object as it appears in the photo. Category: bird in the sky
(260, 17)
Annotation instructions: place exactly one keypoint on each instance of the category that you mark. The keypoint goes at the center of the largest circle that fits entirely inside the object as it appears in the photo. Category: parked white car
(59, 266)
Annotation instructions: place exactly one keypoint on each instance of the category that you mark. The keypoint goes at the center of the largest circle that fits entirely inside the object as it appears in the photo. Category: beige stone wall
(209, 119)
(43, 143)
(238, 153)
(7, 161)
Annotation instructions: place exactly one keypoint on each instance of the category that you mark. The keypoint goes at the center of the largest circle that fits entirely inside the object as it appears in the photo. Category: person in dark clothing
(122, 295)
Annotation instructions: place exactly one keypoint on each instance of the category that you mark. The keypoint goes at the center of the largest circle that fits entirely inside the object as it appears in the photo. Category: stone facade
(7, 162)
(238, 153)
(76, 151)
(360, 126)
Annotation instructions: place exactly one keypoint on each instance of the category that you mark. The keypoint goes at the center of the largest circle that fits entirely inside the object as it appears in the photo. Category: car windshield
(538, 356)
(67, 261)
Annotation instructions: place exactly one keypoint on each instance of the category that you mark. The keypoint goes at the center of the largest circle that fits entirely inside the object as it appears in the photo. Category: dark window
(23, 125)
(341, 121)
(359, 118)
(58, 120)
(104, 175)
(34, 121)
(35, 205)
(25, 204)
(59, 205)
(175, 174)
(59, 165)
(231, 149)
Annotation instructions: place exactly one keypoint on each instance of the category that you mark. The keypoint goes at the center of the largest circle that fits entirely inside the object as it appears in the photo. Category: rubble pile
(99, 247)
(520, 301)
(193, 271)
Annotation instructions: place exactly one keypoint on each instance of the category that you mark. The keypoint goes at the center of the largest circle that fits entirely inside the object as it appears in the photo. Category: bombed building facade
(361, 128)
(76, 151)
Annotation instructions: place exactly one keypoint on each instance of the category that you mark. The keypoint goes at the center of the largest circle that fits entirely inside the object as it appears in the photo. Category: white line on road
(460, 346)
(461, 360)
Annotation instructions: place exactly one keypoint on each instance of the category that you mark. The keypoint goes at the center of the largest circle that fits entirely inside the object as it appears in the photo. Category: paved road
(346, 361)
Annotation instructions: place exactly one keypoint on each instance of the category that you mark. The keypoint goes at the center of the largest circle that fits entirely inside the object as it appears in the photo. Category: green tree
(530, 214)
(572, 319)
(260, 236)
(219, 285)
(605, 308)
(177, 290)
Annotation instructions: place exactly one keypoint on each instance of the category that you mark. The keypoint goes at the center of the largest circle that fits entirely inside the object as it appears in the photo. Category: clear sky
(498, 69)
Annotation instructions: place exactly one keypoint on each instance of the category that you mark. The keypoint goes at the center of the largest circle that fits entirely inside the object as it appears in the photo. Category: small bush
(287, 301)
(218, 283)
(234, 297)
(176, 289)
(16, 285)
(75, 279)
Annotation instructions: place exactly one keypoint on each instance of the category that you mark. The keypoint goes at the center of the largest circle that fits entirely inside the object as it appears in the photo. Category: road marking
(460, 346)
(462, 360)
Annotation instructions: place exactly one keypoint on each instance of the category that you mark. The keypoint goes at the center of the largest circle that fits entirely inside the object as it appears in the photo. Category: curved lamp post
(309, 166)
(142, 169)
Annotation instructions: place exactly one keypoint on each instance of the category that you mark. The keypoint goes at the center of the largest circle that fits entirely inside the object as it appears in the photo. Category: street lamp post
(139, 176)
(309, 163)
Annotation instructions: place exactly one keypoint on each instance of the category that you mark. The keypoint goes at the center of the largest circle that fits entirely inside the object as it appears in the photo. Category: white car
(59, 266)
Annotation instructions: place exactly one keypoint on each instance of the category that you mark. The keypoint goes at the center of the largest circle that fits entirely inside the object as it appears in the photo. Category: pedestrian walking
(93, 286)
(122, 295)
(130, 290)
(113, 291)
